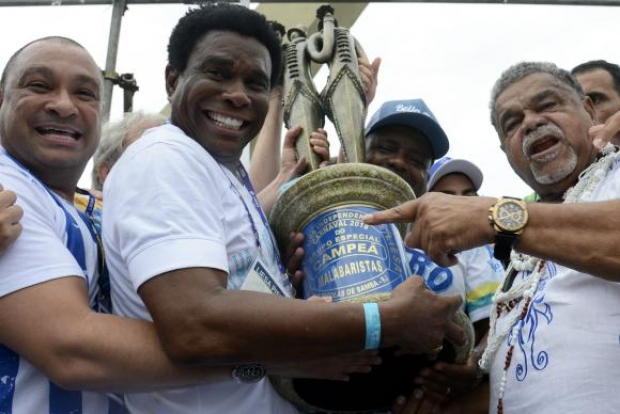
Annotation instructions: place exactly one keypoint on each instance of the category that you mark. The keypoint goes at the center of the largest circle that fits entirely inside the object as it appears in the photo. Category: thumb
(455, 334)
(597, 133)
(375, 65)
(291, 136)
(300, 167)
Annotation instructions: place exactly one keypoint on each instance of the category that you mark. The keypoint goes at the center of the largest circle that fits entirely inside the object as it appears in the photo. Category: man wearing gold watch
(553, 340)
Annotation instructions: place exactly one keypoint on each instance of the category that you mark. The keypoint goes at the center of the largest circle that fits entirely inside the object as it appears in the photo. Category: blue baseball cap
(415, 114)
(447, 165)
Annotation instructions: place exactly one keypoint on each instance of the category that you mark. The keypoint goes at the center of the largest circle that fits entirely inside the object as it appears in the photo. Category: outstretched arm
(580, 236)
(45, 314)
(265, 163)
(290, 166)
(86, 350)
(231, 326)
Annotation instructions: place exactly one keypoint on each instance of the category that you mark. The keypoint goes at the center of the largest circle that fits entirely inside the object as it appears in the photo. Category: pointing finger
(404, 213)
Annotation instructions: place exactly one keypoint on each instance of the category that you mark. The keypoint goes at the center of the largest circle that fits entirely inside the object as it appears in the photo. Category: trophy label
(346, 258)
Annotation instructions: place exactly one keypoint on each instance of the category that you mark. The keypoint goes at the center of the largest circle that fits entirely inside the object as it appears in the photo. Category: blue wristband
(373, 326)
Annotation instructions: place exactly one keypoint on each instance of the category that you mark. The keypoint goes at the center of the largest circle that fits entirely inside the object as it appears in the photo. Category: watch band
(503, 245)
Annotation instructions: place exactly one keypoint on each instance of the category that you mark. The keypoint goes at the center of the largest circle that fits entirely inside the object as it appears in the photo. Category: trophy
(345, 258)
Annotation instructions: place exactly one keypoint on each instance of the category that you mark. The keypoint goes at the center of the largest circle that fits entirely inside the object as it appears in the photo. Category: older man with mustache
(553, 342)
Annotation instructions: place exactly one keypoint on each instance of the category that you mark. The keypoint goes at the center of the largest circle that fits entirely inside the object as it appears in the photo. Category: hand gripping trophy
(344, 258)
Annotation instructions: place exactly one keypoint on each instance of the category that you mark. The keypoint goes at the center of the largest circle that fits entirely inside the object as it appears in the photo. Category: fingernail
(400, 400)
(418, 394)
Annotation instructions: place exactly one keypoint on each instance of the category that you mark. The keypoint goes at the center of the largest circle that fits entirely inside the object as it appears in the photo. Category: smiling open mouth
(223, 121)
(58, 132)
(542, 145)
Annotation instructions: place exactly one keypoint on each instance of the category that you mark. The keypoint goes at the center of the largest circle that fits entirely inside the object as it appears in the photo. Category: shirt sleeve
(483, 275)
(164, 211)
(39, 254)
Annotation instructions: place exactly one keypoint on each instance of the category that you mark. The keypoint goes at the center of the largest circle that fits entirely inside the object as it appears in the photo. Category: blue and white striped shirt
(55, 242)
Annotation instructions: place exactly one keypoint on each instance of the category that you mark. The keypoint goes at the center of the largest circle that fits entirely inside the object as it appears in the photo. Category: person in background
(405, 137)
(479, 272)
(455, 176)
(115, 137)
(600, 81)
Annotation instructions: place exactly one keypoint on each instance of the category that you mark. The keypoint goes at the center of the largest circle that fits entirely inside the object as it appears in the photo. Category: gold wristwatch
(508, 216)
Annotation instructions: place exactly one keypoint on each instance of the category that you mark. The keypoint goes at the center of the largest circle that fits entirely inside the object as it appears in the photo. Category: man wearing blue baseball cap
(405, 137)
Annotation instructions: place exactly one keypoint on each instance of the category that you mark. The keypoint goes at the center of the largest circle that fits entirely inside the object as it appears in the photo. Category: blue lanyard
(245, 180)
(95, 231)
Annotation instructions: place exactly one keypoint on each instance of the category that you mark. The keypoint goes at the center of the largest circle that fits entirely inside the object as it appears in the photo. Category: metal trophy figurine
(345, 258)
(302, 103)
(344, 101)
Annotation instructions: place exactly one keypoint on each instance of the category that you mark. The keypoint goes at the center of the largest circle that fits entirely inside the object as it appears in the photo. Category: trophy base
(376, 390)
(363, 393)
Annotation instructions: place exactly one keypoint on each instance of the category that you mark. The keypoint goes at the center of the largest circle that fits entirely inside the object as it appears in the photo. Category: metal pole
(130, 87)
(110, 65)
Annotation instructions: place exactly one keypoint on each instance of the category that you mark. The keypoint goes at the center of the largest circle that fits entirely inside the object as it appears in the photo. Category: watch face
(511, 216)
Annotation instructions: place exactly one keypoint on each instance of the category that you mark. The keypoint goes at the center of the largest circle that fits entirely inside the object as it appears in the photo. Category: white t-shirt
(39, 255)
(475, 278)
(567, 356)
(169, 205)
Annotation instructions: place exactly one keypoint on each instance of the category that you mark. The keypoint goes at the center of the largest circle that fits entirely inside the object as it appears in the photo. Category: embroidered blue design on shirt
(539, 311)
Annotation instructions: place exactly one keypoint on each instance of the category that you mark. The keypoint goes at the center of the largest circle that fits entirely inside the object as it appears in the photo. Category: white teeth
(57, 131)
(225, 121)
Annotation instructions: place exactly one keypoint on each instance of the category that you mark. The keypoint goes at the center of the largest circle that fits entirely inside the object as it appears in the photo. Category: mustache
(538, 132)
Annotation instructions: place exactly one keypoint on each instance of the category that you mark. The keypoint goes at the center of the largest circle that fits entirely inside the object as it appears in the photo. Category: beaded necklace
(521, 294)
